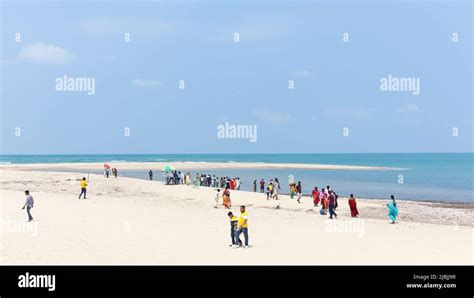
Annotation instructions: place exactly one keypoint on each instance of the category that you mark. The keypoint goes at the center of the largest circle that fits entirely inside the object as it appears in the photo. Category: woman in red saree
(353, 206)
(324, 202)
(315, 196)
(226, 198)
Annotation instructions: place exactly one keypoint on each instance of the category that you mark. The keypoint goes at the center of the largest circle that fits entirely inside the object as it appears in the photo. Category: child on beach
(28, 204)
(217, 198)
(269, 190)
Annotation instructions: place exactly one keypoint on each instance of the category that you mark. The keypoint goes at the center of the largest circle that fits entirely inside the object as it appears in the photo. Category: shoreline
(191, 165)
(140, 166)
(469, 206)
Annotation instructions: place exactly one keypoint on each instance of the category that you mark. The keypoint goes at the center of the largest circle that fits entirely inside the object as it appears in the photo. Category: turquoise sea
(426, 176)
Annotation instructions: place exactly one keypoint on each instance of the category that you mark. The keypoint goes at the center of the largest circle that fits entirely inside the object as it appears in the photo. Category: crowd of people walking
(325, 197)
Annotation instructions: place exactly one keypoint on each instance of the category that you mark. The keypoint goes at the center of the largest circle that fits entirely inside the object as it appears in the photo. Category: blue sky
(337, 83)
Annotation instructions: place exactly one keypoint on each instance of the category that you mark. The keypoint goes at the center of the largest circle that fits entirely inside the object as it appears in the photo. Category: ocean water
(426, 176)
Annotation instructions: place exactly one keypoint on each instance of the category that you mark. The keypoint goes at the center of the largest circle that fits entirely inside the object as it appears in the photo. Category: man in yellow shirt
(242, 227)
(83, 187)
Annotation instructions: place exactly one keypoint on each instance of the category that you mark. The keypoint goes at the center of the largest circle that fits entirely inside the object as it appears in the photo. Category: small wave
(5, 163)
(118, 161)
(231, 161)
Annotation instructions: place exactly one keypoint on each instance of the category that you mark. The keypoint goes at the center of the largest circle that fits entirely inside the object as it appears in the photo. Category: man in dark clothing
(332, 204)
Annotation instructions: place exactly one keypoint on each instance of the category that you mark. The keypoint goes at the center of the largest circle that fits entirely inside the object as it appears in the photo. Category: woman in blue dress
(392, 210)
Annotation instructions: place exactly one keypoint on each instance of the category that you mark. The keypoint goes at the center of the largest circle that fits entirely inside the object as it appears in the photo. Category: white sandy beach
(132, 221)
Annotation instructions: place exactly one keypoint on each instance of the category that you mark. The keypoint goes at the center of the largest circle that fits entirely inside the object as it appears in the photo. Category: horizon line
(300, 153)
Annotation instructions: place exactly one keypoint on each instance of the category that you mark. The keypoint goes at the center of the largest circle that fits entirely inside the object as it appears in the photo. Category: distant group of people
(174, 177)
(296, 189)
(329, 203)
(208, 180)
(272, 189)
(107, 171)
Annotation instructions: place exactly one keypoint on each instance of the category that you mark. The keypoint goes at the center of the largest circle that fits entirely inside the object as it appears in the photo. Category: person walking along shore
(28, 204)
(392, 210)
(332, 204)
(353, 206)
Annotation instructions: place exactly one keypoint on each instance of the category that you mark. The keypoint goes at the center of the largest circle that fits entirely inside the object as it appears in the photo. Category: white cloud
(302, 74)
(45, 53)
(270, 117)
(408, 108)
(146, 83)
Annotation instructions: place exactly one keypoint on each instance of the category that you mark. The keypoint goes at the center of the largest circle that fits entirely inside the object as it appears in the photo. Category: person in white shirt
(28, 204)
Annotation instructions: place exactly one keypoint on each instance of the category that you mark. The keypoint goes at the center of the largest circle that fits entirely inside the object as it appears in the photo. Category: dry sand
(132, 221)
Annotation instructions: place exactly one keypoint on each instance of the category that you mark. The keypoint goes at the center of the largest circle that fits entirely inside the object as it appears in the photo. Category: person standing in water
(28, 204)
(83, 188)
(262, 186)
(150, 174)
(255, 186)
(392, 209)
